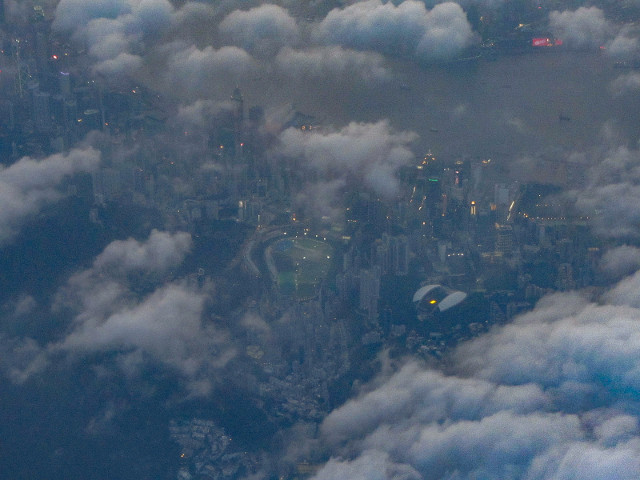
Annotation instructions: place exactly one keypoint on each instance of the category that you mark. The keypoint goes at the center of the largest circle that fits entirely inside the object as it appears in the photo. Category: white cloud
(29, 184)
(117, 33)
(585, 27)
(160, 252)
(194, 71)
(447, 32)
(70, 14)
(321, 199)
(408, 29)
(261, 30)
(167, 325)
(371, 152)
(612, 192)
(332, 63)
(121, 64)
(201, 114)
(552, 395)
(620, 261)
(626, 83)
(624, 46)
(128, 303)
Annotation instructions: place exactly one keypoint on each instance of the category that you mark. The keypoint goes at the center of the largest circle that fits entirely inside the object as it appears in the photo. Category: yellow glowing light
(433, 302)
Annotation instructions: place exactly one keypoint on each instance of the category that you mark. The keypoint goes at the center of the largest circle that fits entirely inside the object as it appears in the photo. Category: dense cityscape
(202, 281)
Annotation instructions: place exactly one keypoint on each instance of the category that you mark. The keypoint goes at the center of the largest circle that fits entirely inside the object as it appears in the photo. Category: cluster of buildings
(464, 225)
(206, 451)
(48, 104)
(461, 248)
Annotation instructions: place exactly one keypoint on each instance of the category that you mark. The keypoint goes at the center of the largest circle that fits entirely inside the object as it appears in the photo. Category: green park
(300, 264)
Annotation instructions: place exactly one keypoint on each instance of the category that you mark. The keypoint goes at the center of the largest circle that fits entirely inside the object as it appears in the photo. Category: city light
(189, 295)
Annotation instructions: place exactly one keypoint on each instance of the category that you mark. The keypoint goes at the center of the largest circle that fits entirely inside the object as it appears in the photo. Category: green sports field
(302, 264)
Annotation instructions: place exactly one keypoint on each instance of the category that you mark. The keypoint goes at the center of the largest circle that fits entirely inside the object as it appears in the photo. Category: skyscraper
(238, 106)
(504, 239)
(41, 113)
(238, 121)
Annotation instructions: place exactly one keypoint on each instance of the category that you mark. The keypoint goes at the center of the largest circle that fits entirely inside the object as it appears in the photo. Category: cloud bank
(612, 194)
(128, 303)
(628, 83)
(554, 395)
(625, 45)
(620, 261)
(190, 50)
(30, 184)
(408, 29)
(118, 33)
(332, 63)
(192, 71)
(262, 30)
(368, 152)
(585, 27)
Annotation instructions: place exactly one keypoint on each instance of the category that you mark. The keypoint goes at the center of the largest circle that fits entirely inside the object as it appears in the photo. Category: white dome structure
(451, 301)
(423, 291)
(433, 298)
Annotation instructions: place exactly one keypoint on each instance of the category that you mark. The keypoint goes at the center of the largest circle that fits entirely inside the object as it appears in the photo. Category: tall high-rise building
(391, 254)
(64, 83)
(42, 53)
(504, 239)
(565, 280)
(11, 111)
(238, 121)
(70, 114)
(238, 106)
(370, 291)
(399, 250)
(41, 111)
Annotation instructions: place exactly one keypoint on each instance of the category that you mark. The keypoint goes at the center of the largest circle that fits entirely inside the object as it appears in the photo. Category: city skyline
(364, 239)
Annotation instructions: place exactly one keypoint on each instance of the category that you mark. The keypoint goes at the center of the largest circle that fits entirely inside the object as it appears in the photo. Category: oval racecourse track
(298, 265)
